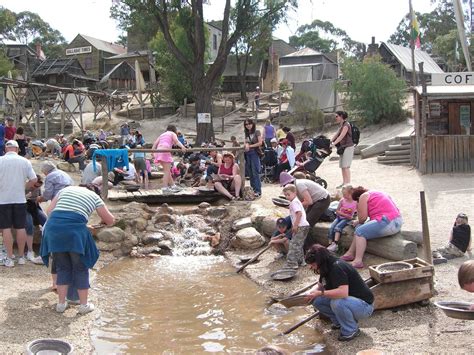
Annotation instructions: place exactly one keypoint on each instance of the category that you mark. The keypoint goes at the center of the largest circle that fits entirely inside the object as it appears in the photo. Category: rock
(153, 255)
(164, 218)
(152, 238)
(248, 238)
(118, 253)
(65, 166)
(111, 235)
(268, 226)
(148, 250)
(102, 246)
(204, 205)
(242, 223)
(217, 212)
(129, 243)
(141, 224)
(165, 209)
(165, 244)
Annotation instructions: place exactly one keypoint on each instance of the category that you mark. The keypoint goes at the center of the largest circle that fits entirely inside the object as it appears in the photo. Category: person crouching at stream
(299, 229)
(67, 237)
(341, 294)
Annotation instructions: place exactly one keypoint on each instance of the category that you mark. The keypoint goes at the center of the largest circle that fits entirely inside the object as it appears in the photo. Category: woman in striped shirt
(66, 236)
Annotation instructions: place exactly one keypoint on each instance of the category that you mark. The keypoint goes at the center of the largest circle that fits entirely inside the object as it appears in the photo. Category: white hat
(11, 143)
(273, 140)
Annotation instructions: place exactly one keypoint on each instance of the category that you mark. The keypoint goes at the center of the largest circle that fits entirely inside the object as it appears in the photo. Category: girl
(228, 178)
(345, 212)
(253, 144)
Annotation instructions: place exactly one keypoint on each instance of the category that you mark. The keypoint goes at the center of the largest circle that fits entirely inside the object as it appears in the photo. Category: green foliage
(284, 86)
(5, 64)
(7, 22)
(306, 111)
(373, 92)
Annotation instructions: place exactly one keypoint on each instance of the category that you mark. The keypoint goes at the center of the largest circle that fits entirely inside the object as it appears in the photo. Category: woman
(341, 294)
(253, 145)
(228, 178)
(166, 141)
(268, 133)
(384, 220)
(21, 140)
(286, 159)
(66, 236)
(213, 163)
(345, 147)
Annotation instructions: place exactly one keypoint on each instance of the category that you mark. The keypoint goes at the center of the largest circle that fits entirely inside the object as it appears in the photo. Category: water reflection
(198, 304)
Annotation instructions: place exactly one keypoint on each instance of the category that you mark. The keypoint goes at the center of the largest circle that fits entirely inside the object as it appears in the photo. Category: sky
(361, 19)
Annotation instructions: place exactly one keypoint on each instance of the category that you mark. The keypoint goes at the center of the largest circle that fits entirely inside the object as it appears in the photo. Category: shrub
(306, 111)
(373, 92)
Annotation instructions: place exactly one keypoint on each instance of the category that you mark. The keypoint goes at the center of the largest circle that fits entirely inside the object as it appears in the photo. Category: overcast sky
(361, 19)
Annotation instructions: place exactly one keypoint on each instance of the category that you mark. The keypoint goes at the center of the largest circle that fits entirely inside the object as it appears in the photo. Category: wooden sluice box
(400, 286)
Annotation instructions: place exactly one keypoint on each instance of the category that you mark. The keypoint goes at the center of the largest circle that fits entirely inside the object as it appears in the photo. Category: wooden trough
(156, 196)
(397, 288)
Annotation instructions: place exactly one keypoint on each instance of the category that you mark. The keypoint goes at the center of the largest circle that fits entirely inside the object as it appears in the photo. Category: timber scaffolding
(23, 90)
(238, 150)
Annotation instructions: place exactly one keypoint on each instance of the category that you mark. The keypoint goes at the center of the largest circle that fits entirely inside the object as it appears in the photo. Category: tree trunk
(241, 77)
(203, 104)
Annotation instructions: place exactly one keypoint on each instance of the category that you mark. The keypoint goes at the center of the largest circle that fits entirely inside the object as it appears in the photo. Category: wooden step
(403, 163)
(397, 147)
(398, 152)
(392, 157)
(389, 160)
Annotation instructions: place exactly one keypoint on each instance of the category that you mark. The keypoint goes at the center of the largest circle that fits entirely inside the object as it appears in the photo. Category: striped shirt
(78, 199)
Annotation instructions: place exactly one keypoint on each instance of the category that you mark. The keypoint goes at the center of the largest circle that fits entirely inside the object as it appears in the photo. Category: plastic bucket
(49, 347)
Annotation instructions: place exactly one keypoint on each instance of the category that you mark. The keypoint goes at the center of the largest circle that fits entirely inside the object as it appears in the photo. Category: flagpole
(412, 46)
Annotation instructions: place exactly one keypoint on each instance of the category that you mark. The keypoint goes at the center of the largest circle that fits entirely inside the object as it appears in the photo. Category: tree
(203, 79)
(325, 37)
(7, 22)
(5, 64)
(373, 91)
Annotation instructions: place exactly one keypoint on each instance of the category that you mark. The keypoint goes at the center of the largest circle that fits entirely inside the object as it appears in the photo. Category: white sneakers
(38, 260)
(86, 308)
(30, 256)
(61, 307)
(21, 260)
(7, 262)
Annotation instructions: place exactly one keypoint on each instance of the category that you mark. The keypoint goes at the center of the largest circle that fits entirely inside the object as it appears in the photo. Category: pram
(312, 154)
(269, 162)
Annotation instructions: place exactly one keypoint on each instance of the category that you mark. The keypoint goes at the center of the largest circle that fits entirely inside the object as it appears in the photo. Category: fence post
(185, 108)
(241, 158)
(279, 103)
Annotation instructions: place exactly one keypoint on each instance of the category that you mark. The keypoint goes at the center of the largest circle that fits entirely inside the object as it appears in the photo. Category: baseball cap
(10, 119)
(285, 178)
(11, 143)
(281, 222)
(462, 215)
(273, 140)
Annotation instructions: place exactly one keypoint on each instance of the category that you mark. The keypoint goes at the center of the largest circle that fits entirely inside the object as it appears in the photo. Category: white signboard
(461, 78)
(79, 50)
(204, 117)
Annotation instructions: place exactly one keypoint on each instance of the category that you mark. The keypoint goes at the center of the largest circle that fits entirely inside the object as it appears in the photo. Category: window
(214, 41)
(88, 63)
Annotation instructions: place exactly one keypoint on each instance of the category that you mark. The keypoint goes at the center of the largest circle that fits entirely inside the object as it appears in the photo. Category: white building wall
(214, 41)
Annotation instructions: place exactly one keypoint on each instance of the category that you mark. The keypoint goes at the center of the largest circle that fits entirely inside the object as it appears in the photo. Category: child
(459, 241)
(345, 212)
(281, 237)
(234, 141)
(139, 162)
(299, 229)
(466, 277)
(194, 171)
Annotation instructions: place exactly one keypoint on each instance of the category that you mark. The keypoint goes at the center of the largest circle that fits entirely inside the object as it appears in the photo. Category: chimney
(39, 52)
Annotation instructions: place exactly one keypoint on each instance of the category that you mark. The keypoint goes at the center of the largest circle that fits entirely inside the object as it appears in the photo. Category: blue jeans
(344, 311)
(71, 270)
(29, 221)
(337, 226)
(253, 167)
(377, 229)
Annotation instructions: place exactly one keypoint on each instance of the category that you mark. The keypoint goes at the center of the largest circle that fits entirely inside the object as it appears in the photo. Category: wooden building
(64, 73)
(92, 53)
(144, 58)
(24, 59)
(444, 139)
(307, 65)
(120, 77)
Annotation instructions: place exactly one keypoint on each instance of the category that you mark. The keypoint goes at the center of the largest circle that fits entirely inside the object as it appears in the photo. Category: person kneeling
(281, 237)
(341, 294)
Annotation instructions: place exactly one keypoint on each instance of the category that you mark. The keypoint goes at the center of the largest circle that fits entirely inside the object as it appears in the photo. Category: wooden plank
(465, 143)
(471, 151)
(421, 269)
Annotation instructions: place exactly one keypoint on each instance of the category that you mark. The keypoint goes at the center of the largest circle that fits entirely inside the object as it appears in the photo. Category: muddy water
(184, 304)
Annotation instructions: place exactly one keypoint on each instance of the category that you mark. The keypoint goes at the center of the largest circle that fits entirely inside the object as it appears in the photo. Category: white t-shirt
(130, 173)
(297, 206)
(15, 171)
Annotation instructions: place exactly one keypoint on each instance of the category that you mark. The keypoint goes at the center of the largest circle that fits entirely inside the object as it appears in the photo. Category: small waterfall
(188, 239)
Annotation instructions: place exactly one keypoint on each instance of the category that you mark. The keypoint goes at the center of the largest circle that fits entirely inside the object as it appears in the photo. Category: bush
(284, 86)
(306, 111)
(373, 92)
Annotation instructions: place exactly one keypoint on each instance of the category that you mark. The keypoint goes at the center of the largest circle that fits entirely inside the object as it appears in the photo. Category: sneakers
(85, 308)
(7, 262)
(332, 247)
(350, 336)
(335, 326)
(21, 260)
(30, 256)
(175, 188)
(61, 307)
(38, 260)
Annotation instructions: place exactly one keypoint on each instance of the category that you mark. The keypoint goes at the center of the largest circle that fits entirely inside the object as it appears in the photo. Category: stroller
(312, 154)
(269, 162)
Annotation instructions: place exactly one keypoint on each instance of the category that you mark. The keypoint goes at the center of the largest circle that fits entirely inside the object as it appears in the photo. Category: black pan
(283, 274)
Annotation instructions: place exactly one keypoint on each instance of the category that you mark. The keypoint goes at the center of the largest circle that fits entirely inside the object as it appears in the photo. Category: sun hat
(285, 178)
(273, 140)
(11, 143)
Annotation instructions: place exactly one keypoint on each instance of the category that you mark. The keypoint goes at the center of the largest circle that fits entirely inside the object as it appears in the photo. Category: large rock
(248, 238)
(268, 226)
(152, 238)
(65, 166)
(141, 224)
(242, 223)
(103, 246)
(130, 241)
(217, 212)
(163, 218)
(111, 235)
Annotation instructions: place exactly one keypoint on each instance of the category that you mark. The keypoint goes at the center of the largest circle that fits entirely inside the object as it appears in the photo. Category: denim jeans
(253, 167)
(344, 311)
(29, 221)
(71, 270)
(377, 229)
(337, 226)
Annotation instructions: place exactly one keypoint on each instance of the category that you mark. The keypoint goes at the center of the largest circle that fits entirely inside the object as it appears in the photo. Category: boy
(459, 241)
(466, 277)
(299, 229)
(281, 237)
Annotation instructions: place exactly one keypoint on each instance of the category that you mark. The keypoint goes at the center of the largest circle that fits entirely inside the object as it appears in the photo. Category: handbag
(260, 152)
(340, 150)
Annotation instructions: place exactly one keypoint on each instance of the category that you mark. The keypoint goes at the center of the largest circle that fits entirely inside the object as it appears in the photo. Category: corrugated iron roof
(104, 45)
(303, 52)
(448, 90)
(134, 54)
(403, 55)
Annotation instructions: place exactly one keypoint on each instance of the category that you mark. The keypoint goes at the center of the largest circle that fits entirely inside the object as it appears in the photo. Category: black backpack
(355, 133)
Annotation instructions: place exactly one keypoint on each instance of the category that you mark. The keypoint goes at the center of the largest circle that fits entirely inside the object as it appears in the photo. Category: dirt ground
(27, 305)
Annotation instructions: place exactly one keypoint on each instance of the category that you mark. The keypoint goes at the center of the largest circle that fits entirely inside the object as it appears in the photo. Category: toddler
(344, 212)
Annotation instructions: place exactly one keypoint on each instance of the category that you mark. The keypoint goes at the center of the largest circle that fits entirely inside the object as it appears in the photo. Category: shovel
(254, 258)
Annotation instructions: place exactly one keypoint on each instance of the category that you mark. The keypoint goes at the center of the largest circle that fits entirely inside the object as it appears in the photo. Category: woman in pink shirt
(166, 141)
(378, 217)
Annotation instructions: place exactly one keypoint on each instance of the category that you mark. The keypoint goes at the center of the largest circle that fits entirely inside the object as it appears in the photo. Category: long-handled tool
(296, 293)
(254, 258)
(299, 324)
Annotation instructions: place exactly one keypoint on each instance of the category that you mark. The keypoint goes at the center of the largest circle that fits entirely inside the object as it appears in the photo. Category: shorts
(71, 270)
(345, 159)
(377, 229)
(163, 157)
(139, 164)
(13, 215)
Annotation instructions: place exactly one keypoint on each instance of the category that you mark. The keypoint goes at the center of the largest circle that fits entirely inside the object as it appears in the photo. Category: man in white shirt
(15, 171)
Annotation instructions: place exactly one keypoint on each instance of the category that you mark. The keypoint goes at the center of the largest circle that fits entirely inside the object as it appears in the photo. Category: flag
(415, 31)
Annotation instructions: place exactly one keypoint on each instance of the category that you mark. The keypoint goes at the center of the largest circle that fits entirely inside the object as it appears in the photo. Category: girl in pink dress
(166, 141)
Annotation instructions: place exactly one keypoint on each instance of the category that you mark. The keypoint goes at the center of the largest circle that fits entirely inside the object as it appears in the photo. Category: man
(75, 153)
(53, 147)
(341, 294)
(2, 138)
(89, 174)
(10, 129)
(124, 133)
(14, 172)
(55, 181)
